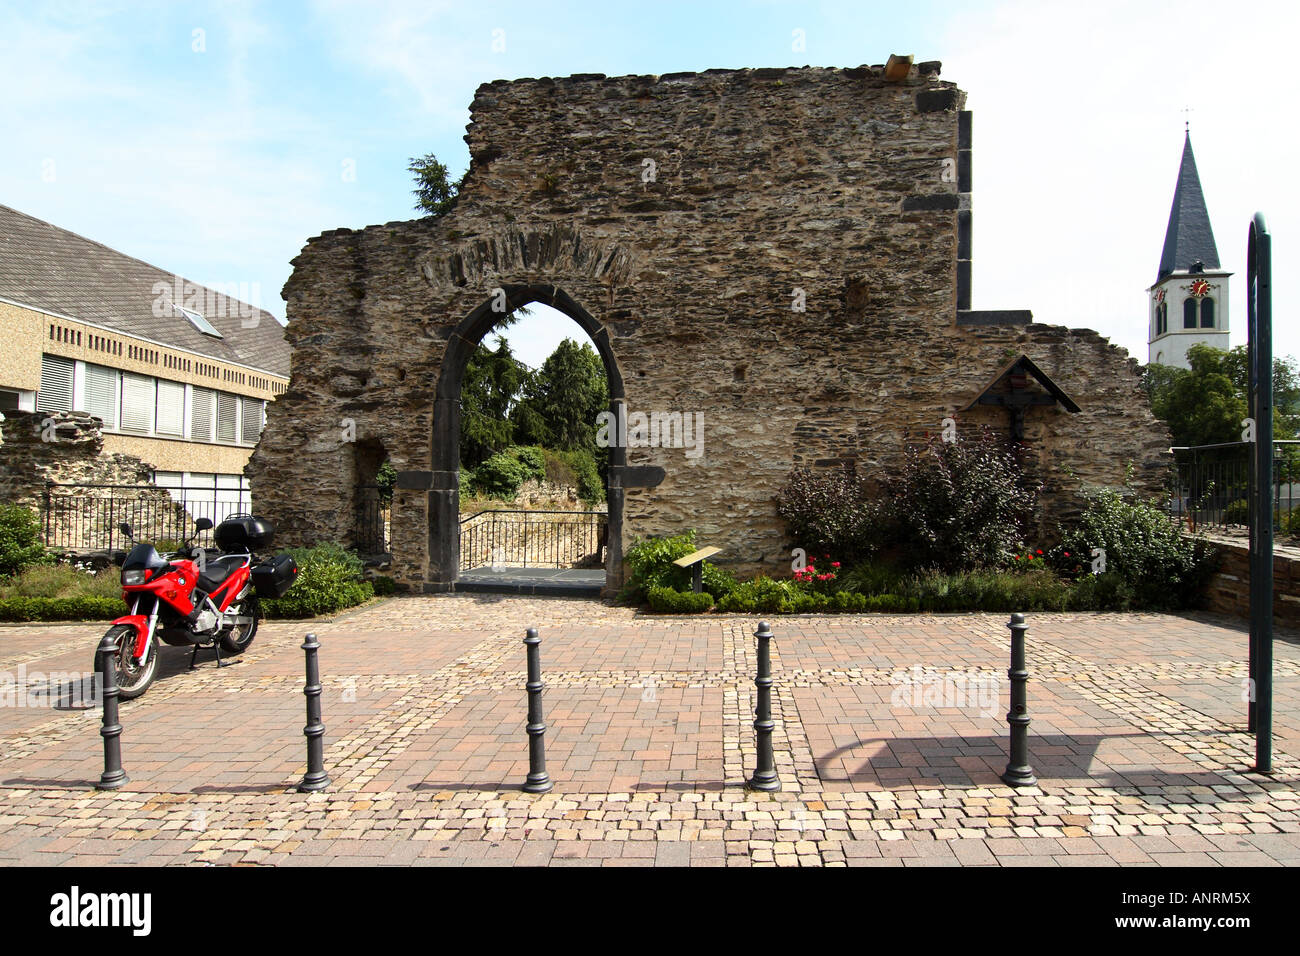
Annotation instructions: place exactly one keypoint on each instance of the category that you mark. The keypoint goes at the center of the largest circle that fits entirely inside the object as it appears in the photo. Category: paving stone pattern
(1137, 738)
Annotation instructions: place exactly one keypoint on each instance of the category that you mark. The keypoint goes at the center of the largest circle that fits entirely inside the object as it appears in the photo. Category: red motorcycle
(192, 597)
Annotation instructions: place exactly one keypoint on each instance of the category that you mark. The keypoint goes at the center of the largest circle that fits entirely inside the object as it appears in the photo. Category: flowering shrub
(819, 580)
(961, 505)
(830, 511)
(1029, 561)
(1151, 562)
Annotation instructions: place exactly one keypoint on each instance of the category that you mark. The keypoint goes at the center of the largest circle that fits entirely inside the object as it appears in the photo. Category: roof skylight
(198, 321)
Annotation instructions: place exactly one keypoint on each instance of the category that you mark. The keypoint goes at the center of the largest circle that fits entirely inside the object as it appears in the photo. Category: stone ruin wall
(66, 449)
(827, 180)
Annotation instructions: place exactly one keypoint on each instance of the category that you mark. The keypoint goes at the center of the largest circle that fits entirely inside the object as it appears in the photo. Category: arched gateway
(780, 258)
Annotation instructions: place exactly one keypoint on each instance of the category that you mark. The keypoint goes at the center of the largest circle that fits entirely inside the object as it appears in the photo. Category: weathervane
(1187, 123)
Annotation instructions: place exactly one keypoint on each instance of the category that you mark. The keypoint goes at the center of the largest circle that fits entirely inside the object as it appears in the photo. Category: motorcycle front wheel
(237, 639)
(133, 679)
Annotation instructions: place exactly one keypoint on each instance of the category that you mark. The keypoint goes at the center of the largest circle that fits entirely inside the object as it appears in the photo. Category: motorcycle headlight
(134, 576)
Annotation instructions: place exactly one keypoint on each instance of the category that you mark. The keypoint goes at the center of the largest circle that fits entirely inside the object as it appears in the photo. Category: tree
(1205, 404)
(560, 402)
(489, 389)
(434, 192)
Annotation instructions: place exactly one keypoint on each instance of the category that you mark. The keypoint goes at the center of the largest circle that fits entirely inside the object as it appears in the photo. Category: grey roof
(59, 271)
(1189, 237)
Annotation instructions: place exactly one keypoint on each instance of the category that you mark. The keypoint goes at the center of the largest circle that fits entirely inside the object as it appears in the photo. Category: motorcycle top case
(244, 532)
(271, 579)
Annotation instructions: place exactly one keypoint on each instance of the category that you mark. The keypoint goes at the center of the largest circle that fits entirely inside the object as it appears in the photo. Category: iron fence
(533, 539)
(85, 518)
(1210, 485)
(373, 518)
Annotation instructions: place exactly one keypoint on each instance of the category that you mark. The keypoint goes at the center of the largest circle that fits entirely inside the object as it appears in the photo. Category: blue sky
(214, 139)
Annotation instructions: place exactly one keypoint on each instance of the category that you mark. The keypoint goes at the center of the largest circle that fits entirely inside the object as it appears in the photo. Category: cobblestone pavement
(890, 737)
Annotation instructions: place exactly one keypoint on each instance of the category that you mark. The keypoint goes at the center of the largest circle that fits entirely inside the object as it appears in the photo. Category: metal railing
(1210, 485)
(533, 539)
(85, 518)
(374, 512)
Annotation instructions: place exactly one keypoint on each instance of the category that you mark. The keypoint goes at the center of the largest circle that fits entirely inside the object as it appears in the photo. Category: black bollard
(315, 778)
(113, 776)
(538, 781)
(1018, 772)
(765, 777)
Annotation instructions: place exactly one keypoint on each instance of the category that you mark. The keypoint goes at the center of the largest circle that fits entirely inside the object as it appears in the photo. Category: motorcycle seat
(218, 569)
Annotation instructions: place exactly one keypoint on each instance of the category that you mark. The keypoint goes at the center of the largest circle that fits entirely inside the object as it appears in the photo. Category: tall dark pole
(1259, 305)
(1018, 772)
(315, 778)
(538, 780)
(111, 730)
(765, 777)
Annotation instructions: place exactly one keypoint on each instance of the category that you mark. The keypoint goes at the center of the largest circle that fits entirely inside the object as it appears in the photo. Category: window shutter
(201, 415)
(101, 393)
(227, 411)
(56, 385)
(251, 426)
(171, 408)
(138, 400)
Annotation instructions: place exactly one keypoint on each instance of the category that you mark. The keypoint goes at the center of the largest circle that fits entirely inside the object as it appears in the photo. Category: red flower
(835, 564)
(1039, 551)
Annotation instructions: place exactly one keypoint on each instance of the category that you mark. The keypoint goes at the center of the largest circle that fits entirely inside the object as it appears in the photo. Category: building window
(170, 416)
(1207, 313)
(201, 414)
(100, 391)
(1189, 313)
(227, 415)
(56, 385)
(139, 396)
(250, 426)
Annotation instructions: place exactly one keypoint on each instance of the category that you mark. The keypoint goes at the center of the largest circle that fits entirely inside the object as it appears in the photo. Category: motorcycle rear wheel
(132, 678)
(237, 639)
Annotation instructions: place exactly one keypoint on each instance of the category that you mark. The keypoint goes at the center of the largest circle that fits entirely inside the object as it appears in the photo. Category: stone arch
(444, 504)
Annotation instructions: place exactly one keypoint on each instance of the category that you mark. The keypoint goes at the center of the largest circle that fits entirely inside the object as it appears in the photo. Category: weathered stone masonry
(674, 217)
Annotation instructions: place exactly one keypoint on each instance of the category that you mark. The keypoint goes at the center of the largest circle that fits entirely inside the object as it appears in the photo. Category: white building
(1188, 304)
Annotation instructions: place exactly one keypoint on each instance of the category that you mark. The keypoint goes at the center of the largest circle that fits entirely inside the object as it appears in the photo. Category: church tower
(1188, 304)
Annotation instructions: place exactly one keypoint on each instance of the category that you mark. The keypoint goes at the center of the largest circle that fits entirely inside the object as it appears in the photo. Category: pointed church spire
(1189, 238)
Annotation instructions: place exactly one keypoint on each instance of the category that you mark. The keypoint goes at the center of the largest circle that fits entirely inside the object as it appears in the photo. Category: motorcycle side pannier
(244, 532)
(271, 579)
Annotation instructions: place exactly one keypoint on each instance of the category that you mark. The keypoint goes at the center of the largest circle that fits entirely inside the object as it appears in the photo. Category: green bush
(668, 601)
(329, 580)
(383, 586)
(468, 485)
(20, 540)
(63, 581)
(761, 595)
(717, 581)
(1237, 512)
(961, 505)
(582, 473)
(500, 476)
(1157, 567)
(87, 608)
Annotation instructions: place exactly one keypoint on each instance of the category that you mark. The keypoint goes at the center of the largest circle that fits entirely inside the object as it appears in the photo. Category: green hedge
(61, 609)
(649, 564)
(329, 580)
(668, 601)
